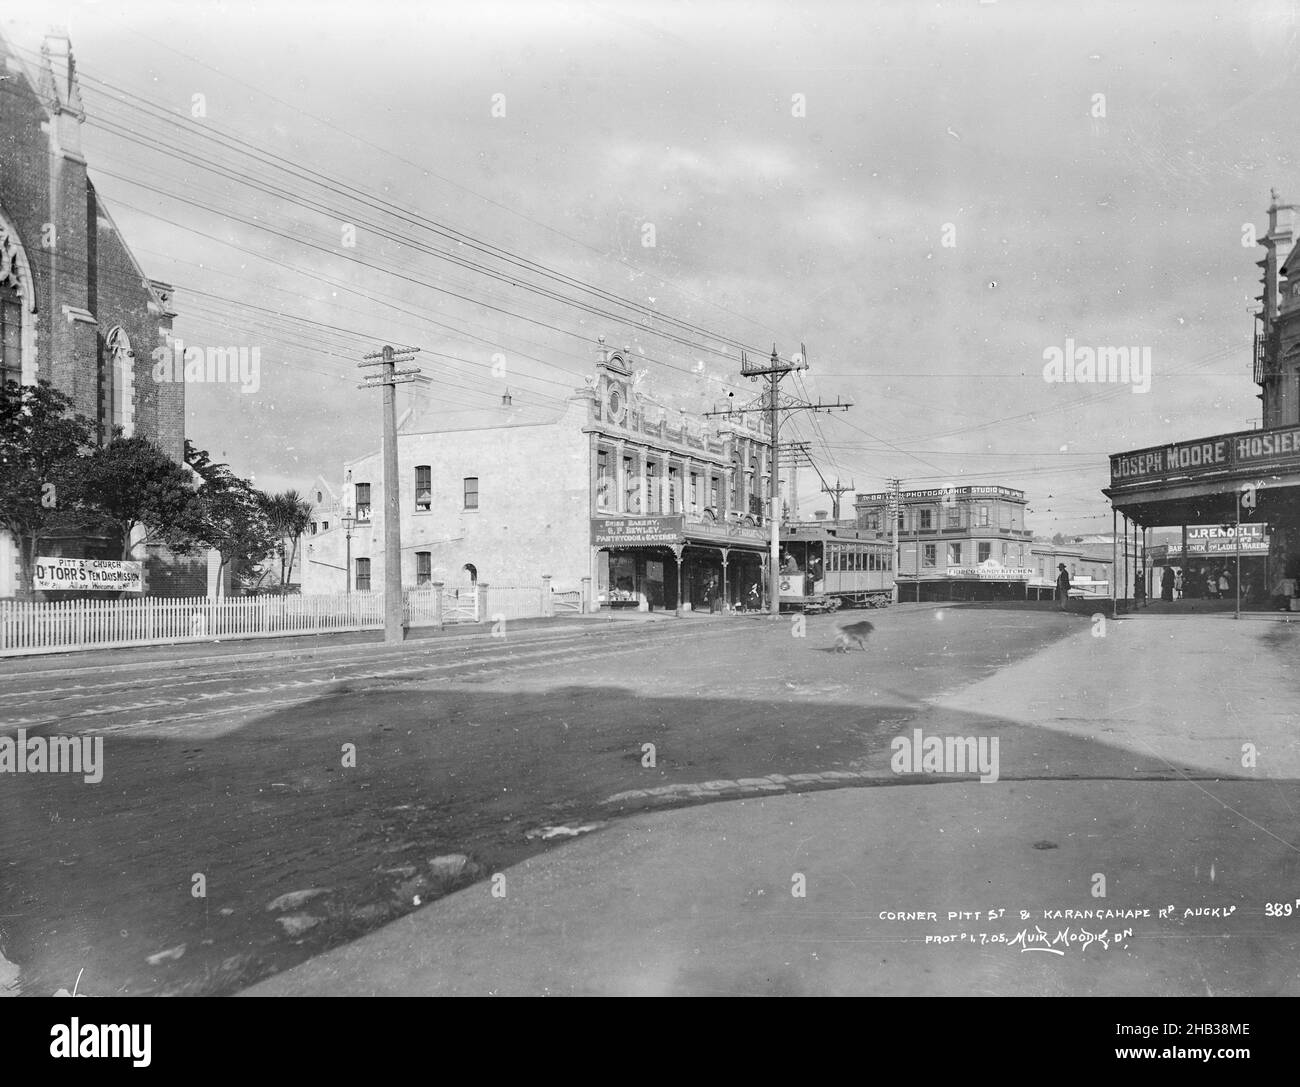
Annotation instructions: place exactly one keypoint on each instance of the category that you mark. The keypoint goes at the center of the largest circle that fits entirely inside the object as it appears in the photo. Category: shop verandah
(679, 566)
(1233, 501)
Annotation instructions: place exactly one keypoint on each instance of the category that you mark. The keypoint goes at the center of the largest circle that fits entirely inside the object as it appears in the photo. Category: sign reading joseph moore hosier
(1224, 454)
(100, 575)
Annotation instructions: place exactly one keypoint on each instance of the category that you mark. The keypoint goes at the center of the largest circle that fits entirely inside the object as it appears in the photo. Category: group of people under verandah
(1219, 582)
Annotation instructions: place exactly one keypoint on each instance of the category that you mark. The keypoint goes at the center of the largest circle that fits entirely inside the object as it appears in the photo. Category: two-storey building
(954, 542)
(636, 498)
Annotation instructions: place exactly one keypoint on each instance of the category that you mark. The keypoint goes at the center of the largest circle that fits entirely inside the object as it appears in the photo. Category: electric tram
(825, 566)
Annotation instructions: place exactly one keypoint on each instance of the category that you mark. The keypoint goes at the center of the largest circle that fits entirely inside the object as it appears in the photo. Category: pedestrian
(1167, 582)
(1062, 586)
(1178, 584)
(1139, 589)
(1225, 586)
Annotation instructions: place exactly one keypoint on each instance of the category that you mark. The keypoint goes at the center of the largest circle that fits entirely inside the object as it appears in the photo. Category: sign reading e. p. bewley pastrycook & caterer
(631, 531)
(1245, 451)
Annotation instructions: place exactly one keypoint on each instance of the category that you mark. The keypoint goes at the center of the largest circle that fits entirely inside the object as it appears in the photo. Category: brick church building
(76, 308)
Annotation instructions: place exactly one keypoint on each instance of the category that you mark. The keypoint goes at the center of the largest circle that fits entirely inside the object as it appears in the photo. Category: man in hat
(1062, 586)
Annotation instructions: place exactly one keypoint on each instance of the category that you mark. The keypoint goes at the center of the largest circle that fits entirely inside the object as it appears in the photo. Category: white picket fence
(58, 626)
(28, 628)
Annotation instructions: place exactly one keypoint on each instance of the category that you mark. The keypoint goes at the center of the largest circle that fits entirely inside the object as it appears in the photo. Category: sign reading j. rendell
(1243, 451)
(631, 531)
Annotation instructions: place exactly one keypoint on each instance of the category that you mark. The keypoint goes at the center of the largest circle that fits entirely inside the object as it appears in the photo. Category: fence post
(586, 596)
(480, 601)
(439, 619)
(548, 605)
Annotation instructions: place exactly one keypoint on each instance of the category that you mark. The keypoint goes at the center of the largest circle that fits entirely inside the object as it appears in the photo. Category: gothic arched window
(117, 386)
(17, 310)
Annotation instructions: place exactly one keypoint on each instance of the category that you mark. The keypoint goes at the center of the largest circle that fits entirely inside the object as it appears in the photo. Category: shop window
(363, 575)
(872, 520)
(423, 488)
(954, 554)
(985, 551)
(602, 479)
(363, 501)
(471, 492)
(930, 556)
(423, 567)
(631, 488)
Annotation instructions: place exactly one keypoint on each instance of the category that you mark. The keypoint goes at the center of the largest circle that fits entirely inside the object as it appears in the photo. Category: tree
(289, 514)
(228, 513)
(130, 482)
(41, 448)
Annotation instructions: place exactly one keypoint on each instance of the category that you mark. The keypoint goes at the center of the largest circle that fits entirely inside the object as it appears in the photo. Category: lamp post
(348, 522)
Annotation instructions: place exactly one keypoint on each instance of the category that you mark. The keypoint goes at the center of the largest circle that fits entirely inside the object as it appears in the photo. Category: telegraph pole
(796, 455)
(389, 378)
(837, 492)
(772, 403)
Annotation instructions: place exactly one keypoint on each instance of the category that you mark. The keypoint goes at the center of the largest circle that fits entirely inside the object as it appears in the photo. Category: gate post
(548, 609)
(586, 595)
(480, 601)
(438, 619)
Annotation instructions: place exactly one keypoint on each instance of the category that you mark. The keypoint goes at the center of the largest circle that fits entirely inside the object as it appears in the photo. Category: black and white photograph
(616, 498)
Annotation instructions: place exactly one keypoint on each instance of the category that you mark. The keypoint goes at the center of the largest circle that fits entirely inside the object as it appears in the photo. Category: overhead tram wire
(399, 158)
(270, 158)
(616, 318)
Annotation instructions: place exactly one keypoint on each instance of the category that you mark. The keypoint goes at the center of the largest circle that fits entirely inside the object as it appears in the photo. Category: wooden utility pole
(772, 403)
(836, 492)
(388, 379)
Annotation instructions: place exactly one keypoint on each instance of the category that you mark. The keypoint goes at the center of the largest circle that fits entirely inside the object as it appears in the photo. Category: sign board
(950, 495)
(1205, 540)
(992, 571)
(635, 531)
(1242, 452)
(100, 575)
(790, 586)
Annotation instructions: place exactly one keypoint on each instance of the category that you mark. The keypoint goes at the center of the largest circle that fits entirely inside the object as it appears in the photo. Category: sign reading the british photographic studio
(634, 531)
(100, 575)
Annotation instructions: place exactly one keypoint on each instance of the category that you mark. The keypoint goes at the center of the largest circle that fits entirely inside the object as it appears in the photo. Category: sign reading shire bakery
(631, 531)
(1246, 451)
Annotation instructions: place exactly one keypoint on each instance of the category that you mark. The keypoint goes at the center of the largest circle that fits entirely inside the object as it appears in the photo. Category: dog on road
(853, 632)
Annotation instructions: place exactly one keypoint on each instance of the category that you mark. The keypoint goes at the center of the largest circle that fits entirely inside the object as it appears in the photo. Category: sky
(929, 197)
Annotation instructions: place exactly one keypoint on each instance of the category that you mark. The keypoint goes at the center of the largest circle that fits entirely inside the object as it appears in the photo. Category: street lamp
(348, 522)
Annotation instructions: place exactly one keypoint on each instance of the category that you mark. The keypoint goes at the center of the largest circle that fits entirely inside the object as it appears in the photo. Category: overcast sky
(801, 164)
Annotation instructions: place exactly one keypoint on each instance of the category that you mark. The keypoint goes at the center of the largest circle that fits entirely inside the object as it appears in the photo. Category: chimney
(506, 399)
